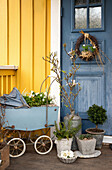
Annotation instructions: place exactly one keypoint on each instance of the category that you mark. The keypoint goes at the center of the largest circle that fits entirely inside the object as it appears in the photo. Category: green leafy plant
(62, 132)
(87, 47)
(85, 136)
(37, 99)
(97, 115)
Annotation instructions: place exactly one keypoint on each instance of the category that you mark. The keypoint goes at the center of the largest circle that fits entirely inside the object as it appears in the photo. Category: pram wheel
(43, 144)
(17, 147)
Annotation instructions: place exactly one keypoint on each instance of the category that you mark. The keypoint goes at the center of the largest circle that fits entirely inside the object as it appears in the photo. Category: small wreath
(87, 55)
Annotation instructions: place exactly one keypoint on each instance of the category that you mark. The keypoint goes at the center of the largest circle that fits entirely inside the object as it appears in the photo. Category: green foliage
(62, 132)
(37, 99)
(97, 114)
(85, 136)
(92, 49)
(87, 47)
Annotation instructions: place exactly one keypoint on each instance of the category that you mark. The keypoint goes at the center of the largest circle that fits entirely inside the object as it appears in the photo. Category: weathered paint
(31, 118)
(24, 40)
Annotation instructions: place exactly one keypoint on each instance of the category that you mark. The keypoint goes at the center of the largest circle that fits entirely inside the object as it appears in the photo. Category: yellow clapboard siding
(26, 45)
(24, 40)
(14, 32)
(3, 32)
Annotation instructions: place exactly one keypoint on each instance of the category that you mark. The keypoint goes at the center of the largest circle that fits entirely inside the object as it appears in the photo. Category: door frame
(56, 44)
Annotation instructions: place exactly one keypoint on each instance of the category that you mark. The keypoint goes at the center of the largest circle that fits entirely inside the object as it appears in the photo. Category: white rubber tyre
(17, 146)
(43, 144)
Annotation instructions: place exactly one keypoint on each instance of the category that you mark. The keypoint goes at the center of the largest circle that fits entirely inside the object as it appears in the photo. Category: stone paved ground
(32, 161)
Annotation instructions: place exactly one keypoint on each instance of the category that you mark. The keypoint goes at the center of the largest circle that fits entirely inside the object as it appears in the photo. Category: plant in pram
(37, 99)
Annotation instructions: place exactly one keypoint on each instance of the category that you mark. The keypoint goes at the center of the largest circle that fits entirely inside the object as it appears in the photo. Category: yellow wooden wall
(25, 39)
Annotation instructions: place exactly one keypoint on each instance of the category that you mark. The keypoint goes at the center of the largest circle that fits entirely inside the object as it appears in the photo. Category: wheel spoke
(39, 146)
(38, 143)
(41, 149)
(16, 152)
(18, 142)
(12, 151)
(20, 145)
(45, 149)
(41, 140)
(20, 149)
(47, 142)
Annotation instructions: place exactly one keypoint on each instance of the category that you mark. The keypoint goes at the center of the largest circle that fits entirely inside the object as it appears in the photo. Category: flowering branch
(66, 91)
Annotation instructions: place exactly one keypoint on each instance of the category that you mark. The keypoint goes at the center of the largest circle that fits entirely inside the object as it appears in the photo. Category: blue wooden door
(95, 18)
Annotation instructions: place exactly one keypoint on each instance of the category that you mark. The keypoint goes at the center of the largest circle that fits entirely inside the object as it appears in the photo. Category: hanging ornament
(90, 51)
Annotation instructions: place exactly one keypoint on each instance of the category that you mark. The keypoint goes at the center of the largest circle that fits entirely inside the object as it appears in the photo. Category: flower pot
(76, 124)
(63, 145)
(86, 147)
(98, 136)
(4, 156)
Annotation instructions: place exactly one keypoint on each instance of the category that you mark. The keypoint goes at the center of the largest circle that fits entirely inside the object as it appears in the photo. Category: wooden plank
(7, 72)
(7, 84)
(14, 32)
(3, 32)
(26, 45)
(39, 43)
(12, 82)
(1, 85)
(4, 84)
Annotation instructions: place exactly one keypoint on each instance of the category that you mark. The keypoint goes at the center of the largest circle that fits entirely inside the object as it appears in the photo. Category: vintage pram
(23, 121)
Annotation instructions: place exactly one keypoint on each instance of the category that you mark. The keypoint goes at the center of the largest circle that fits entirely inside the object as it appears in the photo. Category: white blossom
(45, 93)
(32, 91)
(66, 154)
(70, 154)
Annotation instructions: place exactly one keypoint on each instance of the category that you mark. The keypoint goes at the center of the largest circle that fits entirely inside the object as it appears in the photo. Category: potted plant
(97, 115)
(86, 144)
(4, 148)
(64, 136)
(69, 89)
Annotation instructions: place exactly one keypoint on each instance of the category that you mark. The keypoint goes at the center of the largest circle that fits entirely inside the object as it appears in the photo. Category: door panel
(96, 84)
